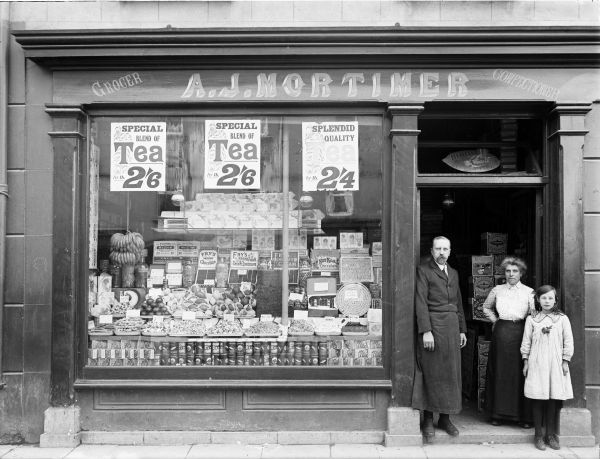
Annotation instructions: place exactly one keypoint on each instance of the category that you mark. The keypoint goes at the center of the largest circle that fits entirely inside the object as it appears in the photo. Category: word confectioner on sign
(323, 85)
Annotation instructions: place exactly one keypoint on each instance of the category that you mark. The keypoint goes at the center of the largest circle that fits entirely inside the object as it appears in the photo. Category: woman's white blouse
(513, 302)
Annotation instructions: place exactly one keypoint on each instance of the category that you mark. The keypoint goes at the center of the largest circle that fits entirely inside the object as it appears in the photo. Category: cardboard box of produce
(492, 243)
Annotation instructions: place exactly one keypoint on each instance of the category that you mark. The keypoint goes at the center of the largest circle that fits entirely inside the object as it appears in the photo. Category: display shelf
(309, 338)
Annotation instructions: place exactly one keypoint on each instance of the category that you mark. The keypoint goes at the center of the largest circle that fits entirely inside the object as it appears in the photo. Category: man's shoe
(525, 425)
(552, 441)
(448, 427)
(428, 430)
(539, 443)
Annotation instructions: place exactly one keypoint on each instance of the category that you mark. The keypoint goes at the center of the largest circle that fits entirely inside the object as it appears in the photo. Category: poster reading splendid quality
(137, 156)
(232, 155)
(330, 156)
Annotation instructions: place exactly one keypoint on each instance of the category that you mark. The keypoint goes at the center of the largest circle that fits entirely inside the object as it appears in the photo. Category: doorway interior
(464, 215)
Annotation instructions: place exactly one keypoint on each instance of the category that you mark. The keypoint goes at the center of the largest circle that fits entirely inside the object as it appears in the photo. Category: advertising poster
(93, 205)
(244, 259)
(232, 155)
(137, 156)
(330, 156)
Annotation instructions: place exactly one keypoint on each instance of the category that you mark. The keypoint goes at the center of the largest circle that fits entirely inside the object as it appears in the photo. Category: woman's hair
(542, 291)
(516, 262)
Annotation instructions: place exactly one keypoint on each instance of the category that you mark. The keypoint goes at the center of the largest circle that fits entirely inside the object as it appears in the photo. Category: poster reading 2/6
(137, 156)
(232, 154)
(330, 156)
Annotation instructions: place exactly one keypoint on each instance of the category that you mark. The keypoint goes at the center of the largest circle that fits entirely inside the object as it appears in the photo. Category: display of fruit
(237, 300)
(154, 307)
(126, 249)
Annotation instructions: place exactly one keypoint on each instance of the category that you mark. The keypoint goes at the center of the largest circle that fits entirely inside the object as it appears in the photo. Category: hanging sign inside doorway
(330, 156)
(137, 156)
(232, 154)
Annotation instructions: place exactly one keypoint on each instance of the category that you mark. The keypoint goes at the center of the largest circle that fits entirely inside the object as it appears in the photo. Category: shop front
(236, 235)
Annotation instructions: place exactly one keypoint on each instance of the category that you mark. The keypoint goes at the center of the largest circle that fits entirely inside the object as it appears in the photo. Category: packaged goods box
(498, 258)
(480, 286)
(492, 243)
(482, 265)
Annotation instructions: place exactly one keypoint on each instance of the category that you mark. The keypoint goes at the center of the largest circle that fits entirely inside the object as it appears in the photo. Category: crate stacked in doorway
(483, 348)
(486, 271)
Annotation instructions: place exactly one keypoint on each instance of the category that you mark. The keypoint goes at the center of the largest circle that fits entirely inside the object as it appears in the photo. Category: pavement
(274, 451)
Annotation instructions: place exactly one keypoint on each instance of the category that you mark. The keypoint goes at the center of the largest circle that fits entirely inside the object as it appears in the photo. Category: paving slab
(519, 451)
(590, 452)
(35, 452)
(233, 451)
(410, 452)
(93, 452)
(355, 451)
(295, 451)
(151, 452)
(5, 449)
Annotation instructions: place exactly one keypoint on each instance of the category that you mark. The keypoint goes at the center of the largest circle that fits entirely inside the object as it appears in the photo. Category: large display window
(235, 241)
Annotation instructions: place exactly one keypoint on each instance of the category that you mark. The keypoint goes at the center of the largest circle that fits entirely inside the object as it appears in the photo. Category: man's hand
(463, 340)
(525, 367)
(565, 367)
(428, 343)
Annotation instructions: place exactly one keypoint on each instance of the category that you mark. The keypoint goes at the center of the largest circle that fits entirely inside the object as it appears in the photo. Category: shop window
(480, 145)
(235, 240)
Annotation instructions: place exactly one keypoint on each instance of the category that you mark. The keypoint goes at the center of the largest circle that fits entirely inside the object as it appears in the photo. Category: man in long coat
(441, 334)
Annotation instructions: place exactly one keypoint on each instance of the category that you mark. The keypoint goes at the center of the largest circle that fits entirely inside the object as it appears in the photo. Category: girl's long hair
(542, 291)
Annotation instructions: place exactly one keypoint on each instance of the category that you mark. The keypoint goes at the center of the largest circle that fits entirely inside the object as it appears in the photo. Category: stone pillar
(61, 420)
(565, 256)
(399, 178)
(61, 427)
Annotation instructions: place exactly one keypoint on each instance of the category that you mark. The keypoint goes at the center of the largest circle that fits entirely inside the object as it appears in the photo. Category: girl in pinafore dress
(547, 348)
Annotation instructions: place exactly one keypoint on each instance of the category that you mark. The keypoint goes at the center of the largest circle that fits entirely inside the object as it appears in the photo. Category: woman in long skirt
(513, 302)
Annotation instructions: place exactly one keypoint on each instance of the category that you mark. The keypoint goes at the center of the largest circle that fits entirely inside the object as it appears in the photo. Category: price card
(157, 319)
(132, 313)
(105, 319)
(325, 274)
(232, 154)
(188, 315)
(353, 318)
(138, 156)
(296, 296)
(228, 317)
(301, 315)
(210, 282)
(266, 318)
(91, 325)
(330, 156)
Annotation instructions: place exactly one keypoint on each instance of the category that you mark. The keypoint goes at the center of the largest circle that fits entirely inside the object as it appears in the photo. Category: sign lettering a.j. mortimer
(327, 85)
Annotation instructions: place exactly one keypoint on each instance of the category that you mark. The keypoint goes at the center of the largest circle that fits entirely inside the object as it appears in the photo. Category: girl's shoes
(495, 422)
(538, 441)
(552, 441)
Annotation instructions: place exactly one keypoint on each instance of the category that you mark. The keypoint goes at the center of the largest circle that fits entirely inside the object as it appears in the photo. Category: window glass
(480, 145)
(239, 240)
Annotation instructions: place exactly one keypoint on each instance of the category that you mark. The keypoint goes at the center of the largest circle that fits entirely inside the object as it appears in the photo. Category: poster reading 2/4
(330, 156)
(137, 156)
(232, 154)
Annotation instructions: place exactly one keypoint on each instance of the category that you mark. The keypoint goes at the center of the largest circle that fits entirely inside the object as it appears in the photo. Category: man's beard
(441, 260)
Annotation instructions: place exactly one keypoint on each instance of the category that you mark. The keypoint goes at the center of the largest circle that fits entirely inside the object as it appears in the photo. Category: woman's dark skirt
(437, 385)
(504, 398)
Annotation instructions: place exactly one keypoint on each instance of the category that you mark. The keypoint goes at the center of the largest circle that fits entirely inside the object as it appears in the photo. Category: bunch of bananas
(125, 249)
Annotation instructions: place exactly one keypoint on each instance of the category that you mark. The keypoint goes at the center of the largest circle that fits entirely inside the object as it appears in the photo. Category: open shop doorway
(489, 223)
